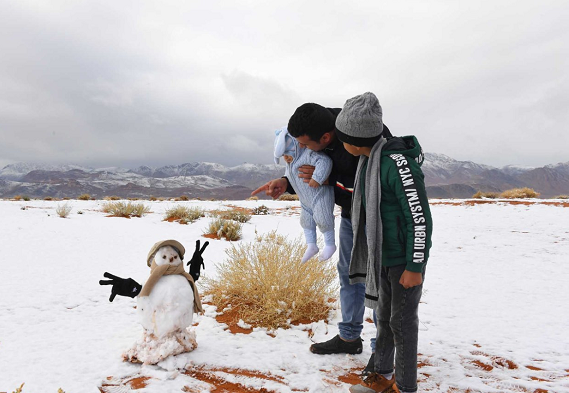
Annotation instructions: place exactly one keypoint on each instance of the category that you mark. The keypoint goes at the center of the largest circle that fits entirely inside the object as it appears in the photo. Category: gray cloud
(135, 82)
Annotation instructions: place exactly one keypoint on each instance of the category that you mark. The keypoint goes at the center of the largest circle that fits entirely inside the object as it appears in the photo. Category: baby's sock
(311, 250)
(330, 246)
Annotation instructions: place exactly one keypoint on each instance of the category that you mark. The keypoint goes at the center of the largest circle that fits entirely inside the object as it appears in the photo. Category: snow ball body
(170, 305)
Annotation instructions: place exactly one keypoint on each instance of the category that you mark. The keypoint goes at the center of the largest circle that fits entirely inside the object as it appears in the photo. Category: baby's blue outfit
(317, 204)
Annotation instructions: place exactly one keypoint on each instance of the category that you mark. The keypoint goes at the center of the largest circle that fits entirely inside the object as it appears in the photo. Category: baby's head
(167, 255)
(285, 145)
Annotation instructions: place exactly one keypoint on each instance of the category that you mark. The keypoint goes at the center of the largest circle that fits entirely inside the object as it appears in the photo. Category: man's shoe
(370, 368)
(375, 383)
(337, 345)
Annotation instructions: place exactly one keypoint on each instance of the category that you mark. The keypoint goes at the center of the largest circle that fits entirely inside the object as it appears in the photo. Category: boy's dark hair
(312, 120)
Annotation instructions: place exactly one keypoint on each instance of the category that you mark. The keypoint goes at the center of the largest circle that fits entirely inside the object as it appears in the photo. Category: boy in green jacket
(392, 228)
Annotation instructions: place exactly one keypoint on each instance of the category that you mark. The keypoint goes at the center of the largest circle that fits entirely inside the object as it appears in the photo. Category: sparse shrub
(26, 198)
(48, 198)
(122, 209)
(253, 198)
(267, 285)
(17, 197)
(239, 215)
(561, 197)
(184, 214)
(63, 210)
(133, 199)
(112, 198)
(84, 197)
(152, 198)
(288, 197)
(183, 198)
(261, 210)
(229, 229)
(65, 198)
(19, 390)
(490, 195)
(520, 193)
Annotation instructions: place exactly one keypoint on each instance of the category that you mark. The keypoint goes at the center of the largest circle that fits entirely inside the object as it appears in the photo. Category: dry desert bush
(84, 197)
(519, 193)
(184, 214)
(260, 211)
(228, 229)
(112, 198)
(239, 215)
(561, 197)
(490, 195)
(267, 285)
(288, 197)
(63, 210)
(122, 209)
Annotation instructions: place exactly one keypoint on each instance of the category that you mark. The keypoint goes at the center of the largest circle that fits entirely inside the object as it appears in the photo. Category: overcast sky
(128, 83)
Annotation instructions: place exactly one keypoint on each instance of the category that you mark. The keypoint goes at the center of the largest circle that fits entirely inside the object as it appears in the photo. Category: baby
(316, 201)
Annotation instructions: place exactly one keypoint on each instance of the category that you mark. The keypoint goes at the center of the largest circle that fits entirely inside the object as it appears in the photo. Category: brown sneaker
(374, 383)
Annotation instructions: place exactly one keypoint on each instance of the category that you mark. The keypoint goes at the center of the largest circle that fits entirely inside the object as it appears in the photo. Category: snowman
(165, 304)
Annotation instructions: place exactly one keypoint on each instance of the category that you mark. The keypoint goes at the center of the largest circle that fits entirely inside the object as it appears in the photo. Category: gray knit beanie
(360, 121)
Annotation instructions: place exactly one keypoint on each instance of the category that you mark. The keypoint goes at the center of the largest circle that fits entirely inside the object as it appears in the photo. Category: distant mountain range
(445, 178)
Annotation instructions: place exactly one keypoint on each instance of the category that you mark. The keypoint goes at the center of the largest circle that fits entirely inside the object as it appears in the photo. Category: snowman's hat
(172, 243)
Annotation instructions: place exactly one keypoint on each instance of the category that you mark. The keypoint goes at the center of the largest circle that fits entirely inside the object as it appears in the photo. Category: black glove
(196, 262)
(121, 286)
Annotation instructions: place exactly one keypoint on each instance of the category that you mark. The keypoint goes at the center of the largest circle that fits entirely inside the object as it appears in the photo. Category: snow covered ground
(494, 314)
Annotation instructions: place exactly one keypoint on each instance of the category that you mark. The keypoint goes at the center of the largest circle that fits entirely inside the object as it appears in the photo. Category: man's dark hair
(312, 120)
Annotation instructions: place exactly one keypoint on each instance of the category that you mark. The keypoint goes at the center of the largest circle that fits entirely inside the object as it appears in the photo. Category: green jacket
(405, 213)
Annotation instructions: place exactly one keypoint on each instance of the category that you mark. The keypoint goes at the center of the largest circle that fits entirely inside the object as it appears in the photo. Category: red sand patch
(134, 384)
(231, 318)
(211, 236)
(351, 378)
(223, 386)
(534, 368)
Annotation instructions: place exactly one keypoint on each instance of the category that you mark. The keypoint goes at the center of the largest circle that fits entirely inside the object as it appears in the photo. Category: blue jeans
(351, 295)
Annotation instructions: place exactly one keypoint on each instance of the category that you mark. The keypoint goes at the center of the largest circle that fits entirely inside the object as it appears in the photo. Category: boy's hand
(275, 188)
(313, 183)
(410, 279)
(305, 172)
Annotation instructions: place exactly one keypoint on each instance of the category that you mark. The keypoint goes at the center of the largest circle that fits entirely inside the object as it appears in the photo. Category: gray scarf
(365, 265)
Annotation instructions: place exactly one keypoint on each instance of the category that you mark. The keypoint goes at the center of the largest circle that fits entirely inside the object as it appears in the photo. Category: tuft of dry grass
(184, 214)
(489, 195)
(63, 210)
(267, 285)
(122, 209)
(152, 198)
(561, 197)
(84, 197)
(182, 198)
(288, 197)
(112, 198)
(239, 215)
(48, 198)
(252, 198)
(520, 193)
(228, 229)
(260, 211)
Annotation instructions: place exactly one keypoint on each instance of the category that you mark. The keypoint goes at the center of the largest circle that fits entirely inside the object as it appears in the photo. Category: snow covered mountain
(204, 180)
(445, 178)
